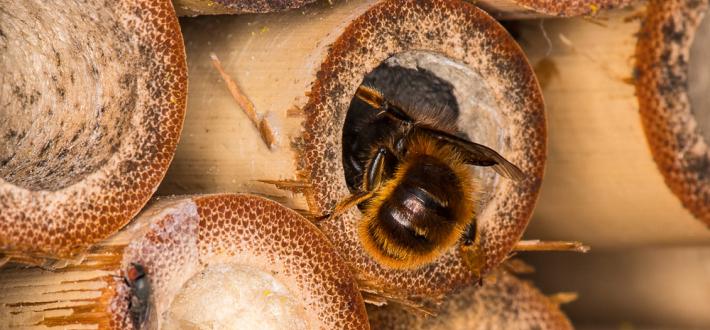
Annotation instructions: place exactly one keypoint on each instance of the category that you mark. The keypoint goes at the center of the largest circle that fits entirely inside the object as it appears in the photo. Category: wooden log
(93, 104)
(300, 69)
(602, 186)
(177, 241)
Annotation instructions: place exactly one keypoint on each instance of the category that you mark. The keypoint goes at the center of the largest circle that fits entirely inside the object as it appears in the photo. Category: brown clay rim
(568, 8)
(219, 7)
(502, 302)
(677, 145)
(183, 238)
(97, 100)
(467, 35)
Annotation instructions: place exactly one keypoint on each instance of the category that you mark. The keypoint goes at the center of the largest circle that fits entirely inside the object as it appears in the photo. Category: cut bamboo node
(672, 87)
(502, 302)
(218, 259)
(93, 105)
(498, 104)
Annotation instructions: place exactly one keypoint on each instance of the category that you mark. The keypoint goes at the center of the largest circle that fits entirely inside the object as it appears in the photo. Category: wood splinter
(562, 298)
(538, 245)
(296, 186)
(268, 135)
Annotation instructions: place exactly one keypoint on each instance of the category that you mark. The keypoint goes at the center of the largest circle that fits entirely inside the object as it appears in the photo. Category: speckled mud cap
(672, 126)
(461, 36)
(184, 236)
(93, 103)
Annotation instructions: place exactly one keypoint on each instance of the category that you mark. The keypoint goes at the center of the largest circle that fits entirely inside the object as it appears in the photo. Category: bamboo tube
(219, 7)
(602, 186)
(676, 121)
(650, 288)
(525, 9)
(501, 9)
(502, 302)
(93, 104)
(179, 240)
(305, 91)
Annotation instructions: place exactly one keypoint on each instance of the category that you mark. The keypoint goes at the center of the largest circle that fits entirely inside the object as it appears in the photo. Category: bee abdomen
(414, 219)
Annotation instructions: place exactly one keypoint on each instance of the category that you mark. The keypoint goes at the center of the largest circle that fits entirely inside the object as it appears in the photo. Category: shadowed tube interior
(67, 98)
(699, 78)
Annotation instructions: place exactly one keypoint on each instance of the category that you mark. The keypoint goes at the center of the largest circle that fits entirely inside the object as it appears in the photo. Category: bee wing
(478, 154)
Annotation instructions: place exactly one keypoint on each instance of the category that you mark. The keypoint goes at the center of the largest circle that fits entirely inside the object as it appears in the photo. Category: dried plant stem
(538, 245)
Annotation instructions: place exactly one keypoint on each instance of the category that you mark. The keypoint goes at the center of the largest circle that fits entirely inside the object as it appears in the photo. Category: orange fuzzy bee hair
(380, 242)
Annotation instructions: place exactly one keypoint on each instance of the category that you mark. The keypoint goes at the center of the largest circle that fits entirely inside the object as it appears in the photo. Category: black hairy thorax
(428, 98)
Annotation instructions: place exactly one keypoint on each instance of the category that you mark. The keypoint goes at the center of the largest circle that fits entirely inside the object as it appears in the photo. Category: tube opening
(434, 89)
(68, 91)
(699, 79)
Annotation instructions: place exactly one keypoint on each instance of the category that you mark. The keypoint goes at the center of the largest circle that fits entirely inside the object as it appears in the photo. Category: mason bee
(139, 299)
(412, 181)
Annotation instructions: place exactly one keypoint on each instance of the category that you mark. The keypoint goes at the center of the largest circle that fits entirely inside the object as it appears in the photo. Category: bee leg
(538, 245)
(374, 176)
(371, 96)
(374, 98)
(346, 204)
(374, 172)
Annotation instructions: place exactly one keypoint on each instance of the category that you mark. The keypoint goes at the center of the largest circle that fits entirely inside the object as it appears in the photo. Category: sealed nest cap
(676, 121)
(93, 103)
(203, 262)
(483, 79)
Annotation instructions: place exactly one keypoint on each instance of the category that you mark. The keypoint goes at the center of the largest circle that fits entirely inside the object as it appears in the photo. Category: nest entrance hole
(425, 82)
(699, 78)
(68, 91)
